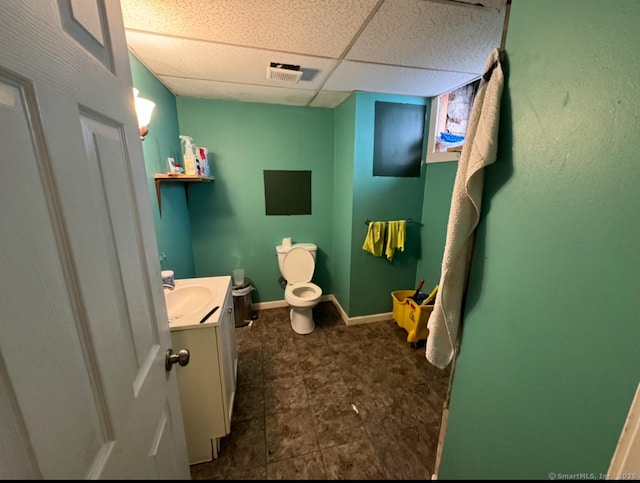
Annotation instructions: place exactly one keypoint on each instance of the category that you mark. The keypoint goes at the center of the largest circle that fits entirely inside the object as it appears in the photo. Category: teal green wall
(372, 279)
(435, 217)
(549, 356)
(173, 230)
(345, 124)
(211, 228)
(228, 222)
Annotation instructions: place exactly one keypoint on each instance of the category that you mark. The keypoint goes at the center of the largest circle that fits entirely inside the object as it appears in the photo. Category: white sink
(186, 301)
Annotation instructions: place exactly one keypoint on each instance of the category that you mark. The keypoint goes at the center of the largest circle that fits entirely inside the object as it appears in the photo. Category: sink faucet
(167, 280)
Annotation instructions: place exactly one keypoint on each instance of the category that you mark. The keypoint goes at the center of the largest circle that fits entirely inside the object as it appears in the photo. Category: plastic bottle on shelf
(199, 167)
(205, 155)
(172, 166)
(189, 156)
(202, 155)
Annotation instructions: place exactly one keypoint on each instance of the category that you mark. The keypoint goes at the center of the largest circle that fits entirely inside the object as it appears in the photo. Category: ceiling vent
(284, 72)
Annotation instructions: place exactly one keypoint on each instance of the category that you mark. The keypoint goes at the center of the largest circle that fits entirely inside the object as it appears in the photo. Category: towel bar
(408, 220)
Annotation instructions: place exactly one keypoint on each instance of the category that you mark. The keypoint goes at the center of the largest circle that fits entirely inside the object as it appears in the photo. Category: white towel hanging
(479, 150)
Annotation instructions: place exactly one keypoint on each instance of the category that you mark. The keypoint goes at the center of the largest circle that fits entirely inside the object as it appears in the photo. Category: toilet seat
(302, 294)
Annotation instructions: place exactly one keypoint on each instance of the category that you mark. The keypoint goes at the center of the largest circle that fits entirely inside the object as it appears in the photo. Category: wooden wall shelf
(177, 178)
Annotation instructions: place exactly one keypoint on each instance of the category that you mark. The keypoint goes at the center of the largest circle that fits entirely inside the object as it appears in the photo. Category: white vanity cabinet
(207, 383)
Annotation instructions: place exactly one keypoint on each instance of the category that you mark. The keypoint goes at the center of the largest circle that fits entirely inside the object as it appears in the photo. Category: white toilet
(297, 263)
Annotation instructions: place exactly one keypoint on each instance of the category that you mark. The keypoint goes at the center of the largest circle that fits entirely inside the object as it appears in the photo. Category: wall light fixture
(144, 109)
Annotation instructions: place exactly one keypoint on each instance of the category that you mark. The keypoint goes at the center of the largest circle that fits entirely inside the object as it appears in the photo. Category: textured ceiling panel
(220, 49)
(330, 99)
(236, 92)
(350, 76)
(210, 61)
(322, 28)
(416, 33)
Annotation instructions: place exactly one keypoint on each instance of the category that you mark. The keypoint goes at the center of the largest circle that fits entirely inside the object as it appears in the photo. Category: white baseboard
(362, 319)
(274, 304)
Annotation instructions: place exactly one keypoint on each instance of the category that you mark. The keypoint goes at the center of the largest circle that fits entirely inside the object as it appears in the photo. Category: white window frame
(431, 156)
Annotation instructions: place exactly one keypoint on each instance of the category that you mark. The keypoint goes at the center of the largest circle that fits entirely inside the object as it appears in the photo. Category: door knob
(182, 358)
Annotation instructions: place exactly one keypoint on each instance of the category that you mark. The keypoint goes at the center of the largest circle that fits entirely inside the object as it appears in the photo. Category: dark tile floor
(344, 402)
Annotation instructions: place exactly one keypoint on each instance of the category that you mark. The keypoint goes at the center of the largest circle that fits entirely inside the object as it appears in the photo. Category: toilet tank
(282, 251)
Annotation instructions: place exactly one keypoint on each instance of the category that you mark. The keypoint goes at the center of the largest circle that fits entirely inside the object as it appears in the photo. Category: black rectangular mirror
(287, 192)
(398, 139)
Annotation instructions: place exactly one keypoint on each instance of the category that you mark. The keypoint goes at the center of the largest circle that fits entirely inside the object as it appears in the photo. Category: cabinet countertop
(219, 286)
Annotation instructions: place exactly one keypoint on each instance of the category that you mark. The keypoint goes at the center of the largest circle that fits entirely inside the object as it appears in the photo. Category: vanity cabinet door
(201, 394)
(228, 357)
(208, 383)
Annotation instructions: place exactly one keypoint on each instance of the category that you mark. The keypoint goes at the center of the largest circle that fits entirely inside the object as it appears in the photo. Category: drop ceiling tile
(437, 34)
(210, 61)
(330, 99)
(236, 92)
(351, 76)
(418, 33)
(323, 28)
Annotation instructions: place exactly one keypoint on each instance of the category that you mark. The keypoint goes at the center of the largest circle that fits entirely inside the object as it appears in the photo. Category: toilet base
(302, 320)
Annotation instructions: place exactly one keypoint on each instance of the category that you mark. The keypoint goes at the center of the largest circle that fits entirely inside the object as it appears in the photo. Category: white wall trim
(445, 409)
(274, 304)
(362, 319)
(443, 425)
(625, 463)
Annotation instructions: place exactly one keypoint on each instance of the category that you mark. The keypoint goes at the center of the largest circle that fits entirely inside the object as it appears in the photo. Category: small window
(450, 113)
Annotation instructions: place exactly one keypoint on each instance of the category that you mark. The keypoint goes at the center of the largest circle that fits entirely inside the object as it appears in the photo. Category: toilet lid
(298, 265)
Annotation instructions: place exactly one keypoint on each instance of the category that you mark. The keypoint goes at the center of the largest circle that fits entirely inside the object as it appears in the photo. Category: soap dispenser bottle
(189, 156)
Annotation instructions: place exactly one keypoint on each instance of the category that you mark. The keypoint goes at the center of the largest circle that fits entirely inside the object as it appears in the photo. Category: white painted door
(83, 332)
